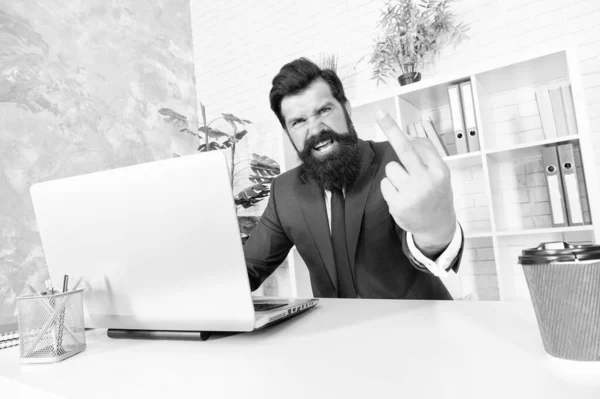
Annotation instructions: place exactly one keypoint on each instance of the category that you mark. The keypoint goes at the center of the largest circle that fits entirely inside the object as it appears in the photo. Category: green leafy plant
(413, 31)
(264, 169)
(328, 61)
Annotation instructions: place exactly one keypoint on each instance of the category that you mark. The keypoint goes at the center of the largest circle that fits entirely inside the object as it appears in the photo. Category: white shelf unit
(500, 191)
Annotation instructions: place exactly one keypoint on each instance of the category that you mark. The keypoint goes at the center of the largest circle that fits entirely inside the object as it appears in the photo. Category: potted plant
(209, 138)
(413, 31)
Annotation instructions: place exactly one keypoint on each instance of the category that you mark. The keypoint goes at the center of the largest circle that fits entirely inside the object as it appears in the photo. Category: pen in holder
(51, 327)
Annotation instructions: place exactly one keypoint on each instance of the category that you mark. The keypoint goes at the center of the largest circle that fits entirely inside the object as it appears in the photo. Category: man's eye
(297, 122)
(325, 109)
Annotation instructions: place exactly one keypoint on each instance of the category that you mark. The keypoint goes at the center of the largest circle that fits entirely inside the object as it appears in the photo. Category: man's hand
(418, 190)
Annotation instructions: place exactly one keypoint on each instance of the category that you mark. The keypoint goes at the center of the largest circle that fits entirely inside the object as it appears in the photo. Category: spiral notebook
(9, 335)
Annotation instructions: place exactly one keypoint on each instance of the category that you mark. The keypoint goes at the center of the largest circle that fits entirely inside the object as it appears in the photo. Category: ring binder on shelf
(469, 113)
(558, 109)
(435, 139)
(554, 185)
(542, 97)
(567, 96)
(411, 129)
(458, 124)
(568, 171)
(420, 130)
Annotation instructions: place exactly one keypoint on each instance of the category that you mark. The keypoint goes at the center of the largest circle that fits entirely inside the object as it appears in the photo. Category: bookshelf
(501, 190)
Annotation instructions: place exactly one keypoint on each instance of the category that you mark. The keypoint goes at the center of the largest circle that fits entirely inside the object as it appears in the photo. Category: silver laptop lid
(157, 244)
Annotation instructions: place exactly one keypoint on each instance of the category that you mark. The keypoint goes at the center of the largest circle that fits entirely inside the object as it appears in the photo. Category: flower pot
(409, 73)
(409, 77)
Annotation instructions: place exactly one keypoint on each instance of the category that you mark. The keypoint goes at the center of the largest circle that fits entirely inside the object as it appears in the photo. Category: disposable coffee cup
(564, 284)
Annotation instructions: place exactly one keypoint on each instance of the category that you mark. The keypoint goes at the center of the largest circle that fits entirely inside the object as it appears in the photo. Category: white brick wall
(477, 274)
(470, 199)
(239, 46)
(512, 118)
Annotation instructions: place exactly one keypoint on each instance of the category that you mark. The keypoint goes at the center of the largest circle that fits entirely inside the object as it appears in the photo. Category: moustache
(325, 135)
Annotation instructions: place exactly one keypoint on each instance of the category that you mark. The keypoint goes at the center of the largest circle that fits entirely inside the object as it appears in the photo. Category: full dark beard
(339, 168)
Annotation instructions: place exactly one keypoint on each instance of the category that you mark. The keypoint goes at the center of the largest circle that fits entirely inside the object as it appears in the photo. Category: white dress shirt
(440, 266)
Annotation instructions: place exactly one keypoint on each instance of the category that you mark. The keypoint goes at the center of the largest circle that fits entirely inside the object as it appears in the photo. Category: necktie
(346, 288)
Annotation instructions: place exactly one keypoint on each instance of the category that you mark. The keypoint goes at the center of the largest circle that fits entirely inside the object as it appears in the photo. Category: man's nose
(314, 127)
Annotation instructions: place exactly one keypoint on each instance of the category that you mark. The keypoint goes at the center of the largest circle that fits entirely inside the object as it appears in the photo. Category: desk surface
(343, 348)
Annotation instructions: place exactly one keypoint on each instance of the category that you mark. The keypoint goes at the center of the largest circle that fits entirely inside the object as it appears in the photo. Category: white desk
(341, 349)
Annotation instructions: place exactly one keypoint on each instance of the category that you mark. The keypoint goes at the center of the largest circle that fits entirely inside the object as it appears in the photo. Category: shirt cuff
(440, 266)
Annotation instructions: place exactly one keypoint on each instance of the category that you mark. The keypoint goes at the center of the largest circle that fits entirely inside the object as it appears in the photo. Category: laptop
(158, 247)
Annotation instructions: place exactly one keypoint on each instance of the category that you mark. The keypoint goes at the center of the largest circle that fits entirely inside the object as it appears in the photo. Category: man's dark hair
(296, 76)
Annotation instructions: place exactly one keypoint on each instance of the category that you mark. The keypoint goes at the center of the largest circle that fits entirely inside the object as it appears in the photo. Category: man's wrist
(432, 245)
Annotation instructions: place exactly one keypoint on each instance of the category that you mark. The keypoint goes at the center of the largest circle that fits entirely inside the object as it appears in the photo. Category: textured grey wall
(80, 86)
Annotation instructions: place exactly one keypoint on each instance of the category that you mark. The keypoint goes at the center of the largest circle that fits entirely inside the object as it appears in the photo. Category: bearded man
(369, 219)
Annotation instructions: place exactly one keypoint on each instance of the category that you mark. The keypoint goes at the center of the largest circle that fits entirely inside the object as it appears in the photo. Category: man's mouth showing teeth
(323, 146)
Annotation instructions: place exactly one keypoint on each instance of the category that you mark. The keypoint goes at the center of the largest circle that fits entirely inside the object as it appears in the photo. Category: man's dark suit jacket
(382, 263)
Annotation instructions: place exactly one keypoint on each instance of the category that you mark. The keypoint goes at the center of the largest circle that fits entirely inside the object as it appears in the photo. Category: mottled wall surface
(80, 86)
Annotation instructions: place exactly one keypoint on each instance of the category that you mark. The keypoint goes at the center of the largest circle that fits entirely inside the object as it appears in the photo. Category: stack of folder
(563, 184)
(426, 129)
(464, 123)
(557, 111)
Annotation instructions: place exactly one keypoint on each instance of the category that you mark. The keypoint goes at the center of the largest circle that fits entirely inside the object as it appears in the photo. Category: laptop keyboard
(261, 307)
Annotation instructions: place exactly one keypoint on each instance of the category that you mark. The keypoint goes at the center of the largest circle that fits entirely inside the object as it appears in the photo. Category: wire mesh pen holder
(51, 327)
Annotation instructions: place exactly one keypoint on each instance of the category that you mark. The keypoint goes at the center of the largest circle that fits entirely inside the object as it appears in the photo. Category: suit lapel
(356, 198)
(312, 203)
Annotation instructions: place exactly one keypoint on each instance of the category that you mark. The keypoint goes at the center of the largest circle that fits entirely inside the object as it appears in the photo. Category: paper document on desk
(15, 389)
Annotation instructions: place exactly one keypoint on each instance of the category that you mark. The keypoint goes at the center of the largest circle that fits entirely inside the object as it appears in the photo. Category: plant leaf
(251, 195)
(213, 146)
(174, 117)
(203, 111)
(247, 224)
(230, 139)
(234, 119)
(212, 133)
(264, 166)
(261, 179)
(240, 135)
(413, 31)
(188, 131)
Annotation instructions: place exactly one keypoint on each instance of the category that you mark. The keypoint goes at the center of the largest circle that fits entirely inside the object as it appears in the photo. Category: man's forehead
(315, 95)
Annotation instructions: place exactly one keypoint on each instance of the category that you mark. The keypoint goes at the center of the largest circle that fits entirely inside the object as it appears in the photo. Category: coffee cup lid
(559, 251)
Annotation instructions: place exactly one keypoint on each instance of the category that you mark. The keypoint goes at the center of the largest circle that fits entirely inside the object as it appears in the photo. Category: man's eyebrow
(327, 103)
(291, 120)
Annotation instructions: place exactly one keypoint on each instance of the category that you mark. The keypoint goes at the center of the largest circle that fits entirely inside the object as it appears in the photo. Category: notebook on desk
(9, 334)
(158, 247)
